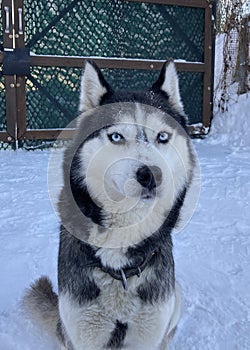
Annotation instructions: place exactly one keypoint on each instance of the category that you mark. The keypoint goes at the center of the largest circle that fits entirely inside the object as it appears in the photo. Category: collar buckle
(139, 271)
(124, 280)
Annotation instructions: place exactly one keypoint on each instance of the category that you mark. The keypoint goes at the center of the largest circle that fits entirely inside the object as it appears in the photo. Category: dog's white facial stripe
(141, 135)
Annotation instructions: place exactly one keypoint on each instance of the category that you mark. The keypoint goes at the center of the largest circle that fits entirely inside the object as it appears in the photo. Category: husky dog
(126, 175)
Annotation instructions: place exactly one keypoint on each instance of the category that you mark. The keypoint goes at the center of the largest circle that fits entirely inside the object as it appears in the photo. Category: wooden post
(9, 81)
(207, 81)
(15, 96)
(20, 80)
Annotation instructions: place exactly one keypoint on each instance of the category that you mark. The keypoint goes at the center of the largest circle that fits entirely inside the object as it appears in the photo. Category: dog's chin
(132, 195)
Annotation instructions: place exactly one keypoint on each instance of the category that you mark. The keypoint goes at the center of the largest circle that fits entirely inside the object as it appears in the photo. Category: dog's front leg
(86, 327)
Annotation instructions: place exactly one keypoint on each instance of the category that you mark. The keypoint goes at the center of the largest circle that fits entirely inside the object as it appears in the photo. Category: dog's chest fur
(115, 320)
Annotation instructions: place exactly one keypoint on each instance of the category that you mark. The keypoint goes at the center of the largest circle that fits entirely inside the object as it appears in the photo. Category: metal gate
(45, 44)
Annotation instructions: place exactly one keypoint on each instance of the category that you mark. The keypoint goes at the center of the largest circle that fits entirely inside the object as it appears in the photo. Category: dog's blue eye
(163, 137)
(115, 137)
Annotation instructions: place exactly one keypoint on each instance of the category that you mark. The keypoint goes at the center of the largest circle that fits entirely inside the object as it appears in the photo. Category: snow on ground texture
(212, 253)
(232, 128)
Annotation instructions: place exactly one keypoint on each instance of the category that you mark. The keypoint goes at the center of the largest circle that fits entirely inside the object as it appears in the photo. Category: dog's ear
(168, 83)
(93, 87)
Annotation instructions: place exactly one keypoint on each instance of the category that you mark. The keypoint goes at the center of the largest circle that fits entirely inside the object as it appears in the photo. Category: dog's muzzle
(149, 177)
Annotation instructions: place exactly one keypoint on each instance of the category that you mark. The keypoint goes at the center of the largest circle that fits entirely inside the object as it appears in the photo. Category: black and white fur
(140, 159)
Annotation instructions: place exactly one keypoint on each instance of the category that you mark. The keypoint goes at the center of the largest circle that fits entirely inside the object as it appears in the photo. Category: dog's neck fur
(159, 243)
(123, 274)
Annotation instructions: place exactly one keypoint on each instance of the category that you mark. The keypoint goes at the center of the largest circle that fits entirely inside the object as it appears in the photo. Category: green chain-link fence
(114, 29)
(109, 29)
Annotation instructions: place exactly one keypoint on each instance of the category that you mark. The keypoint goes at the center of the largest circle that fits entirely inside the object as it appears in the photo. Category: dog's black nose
(149, 176)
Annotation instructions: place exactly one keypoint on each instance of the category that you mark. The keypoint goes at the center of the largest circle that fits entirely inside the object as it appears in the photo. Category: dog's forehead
(132, 118)
(143, 120)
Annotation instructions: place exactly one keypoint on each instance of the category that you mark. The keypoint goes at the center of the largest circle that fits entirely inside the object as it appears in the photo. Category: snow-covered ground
(212, 253)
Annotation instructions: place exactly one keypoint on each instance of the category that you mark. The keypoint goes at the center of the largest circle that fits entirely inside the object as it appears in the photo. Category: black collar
(124, 273)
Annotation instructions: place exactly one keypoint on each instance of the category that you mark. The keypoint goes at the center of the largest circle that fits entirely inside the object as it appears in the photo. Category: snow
(212, 253)
(232, 128)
